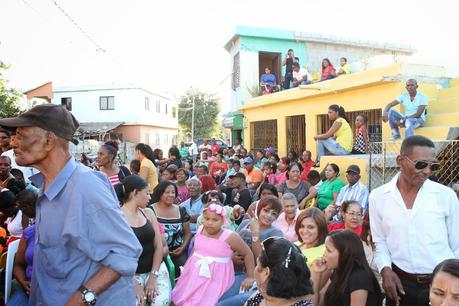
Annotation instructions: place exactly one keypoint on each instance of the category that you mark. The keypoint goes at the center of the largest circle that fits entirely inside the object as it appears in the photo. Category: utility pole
(192, 117)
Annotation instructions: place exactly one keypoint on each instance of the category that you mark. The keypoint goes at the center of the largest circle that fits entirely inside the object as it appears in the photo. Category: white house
(131, 113)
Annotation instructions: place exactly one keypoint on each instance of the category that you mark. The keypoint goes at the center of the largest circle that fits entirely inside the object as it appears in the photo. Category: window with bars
(107, 103)
(236, 80)
(263, 134)
(373, 125)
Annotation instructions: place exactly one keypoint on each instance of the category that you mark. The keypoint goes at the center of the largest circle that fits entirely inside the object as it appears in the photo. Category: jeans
(237, 300)
(18, 297)
(410, 124)
(329, 146)
(234, 289)
(415, 294)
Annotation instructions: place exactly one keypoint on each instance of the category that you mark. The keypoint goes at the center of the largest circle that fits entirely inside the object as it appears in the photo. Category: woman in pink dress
(209, 271)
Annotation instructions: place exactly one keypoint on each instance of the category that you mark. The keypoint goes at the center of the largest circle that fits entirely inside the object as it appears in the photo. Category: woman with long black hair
(351, 282)
(148, 171)
(338, 139)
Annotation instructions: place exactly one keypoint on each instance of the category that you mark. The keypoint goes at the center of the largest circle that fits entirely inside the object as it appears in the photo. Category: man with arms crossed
(414, 224)
(84, 249)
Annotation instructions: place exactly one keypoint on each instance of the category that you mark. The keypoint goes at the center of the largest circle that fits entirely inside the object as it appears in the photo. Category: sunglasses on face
(422, 164)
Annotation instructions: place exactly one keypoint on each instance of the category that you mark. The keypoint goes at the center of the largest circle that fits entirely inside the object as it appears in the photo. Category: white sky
(171, 45)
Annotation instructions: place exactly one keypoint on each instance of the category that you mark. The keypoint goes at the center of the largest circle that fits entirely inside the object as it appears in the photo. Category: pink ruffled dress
(207, 274)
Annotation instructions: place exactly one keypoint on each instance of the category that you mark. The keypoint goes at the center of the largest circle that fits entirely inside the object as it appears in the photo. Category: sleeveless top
(146, 235)
(14, 225)
(359, 142)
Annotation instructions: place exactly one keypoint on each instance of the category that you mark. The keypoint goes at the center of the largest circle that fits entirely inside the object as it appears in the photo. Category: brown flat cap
(51, 117)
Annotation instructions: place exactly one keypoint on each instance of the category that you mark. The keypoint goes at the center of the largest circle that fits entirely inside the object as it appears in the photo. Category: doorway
(272, 60)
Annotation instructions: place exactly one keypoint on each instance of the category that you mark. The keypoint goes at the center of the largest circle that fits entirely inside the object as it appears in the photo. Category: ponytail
(340, 110)
(127, 185)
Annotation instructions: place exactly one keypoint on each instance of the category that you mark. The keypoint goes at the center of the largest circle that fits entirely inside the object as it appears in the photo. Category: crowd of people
(295, 75)
(232, 227)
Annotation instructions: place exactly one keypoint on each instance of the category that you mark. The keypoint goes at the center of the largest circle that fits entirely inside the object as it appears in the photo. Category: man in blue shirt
(414, 104)
(194, 204)
(84, 249)
(268, 80)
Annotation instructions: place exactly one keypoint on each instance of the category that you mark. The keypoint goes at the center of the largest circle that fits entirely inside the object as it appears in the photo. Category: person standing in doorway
(288, 63)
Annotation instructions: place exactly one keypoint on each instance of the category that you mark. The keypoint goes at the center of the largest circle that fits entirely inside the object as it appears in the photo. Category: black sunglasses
(422, 164)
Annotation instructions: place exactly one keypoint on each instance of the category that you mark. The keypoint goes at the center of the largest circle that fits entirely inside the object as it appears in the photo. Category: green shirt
(326, 190)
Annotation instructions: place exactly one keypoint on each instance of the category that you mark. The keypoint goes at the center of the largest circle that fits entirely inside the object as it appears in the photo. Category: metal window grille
(383, 165)
(236, 80)
(263, 134)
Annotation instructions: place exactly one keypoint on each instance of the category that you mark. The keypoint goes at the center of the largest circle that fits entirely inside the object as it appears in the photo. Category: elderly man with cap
(84, 250)
(253, 175)
(355, 191)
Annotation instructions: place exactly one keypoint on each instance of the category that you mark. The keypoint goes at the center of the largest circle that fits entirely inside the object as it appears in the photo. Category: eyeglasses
(4, 137)
(422, 164)
(353, 214)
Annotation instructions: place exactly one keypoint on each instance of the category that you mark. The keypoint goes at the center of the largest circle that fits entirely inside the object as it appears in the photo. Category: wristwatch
(155, 274)
(254, 238)
(88, 296)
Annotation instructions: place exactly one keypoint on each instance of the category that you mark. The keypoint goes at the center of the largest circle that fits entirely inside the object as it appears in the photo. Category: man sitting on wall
(300, 75)
(414, 103)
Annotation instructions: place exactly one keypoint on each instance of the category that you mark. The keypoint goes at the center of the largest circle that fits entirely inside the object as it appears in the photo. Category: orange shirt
(255, 176)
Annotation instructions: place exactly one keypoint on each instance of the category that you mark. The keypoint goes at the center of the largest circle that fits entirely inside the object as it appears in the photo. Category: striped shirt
(114, 179)
(357, 192)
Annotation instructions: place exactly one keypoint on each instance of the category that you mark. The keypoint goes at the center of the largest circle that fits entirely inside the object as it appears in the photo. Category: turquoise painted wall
(257, 44)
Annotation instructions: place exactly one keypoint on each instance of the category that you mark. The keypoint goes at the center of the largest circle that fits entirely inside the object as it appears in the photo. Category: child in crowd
(231, 213)
(361, 135)
(281, 175)
(269, 170)
(134, 166)
(209, 271)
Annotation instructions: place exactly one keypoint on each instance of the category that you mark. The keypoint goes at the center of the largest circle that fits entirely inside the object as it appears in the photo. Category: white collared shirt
(417, 240)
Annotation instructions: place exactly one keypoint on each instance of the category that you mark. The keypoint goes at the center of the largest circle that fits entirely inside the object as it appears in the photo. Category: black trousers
(415, 294)
(287, 79)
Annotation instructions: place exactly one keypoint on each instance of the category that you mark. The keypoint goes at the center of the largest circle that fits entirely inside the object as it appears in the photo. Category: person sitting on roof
(344, 67)
(300, 75)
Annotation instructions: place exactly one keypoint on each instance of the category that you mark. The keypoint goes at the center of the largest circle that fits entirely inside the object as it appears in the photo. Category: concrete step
(447, 93)
(437, 132)
(443, 105)
(435, 119)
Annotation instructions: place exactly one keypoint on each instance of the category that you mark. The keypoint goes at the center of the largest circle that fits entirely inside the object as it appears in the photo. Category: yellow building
(289, 120)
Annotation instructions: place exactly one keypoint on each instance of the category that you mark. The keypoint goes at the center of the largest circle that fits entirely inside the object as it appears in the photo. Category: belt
(417, 278)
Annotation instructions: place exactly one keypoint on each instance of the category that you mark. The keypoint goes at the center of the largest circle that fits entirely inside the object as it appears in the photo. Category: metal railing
(383, 165)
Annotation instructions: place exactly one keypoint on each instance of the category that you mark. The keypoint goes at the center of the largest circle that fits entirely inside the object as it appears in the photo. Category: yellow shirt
(346, 68)
(152, 176)
(344, 135)
(312, 254)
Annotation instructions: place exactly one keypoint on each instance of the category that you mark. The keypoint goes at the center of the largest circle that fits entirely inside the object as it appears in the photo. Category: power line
(99, 48)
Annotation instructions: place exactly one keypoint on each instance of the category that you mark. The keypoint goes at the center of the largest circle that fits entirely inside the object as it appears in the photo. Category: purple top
(29, 236)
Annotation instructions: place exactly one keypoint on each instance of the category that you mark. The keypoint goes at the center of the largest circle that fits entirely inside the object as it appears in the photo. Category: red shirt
(215, 147)
(306, 169)
(215, 167)
(339, 226)
(327, 71)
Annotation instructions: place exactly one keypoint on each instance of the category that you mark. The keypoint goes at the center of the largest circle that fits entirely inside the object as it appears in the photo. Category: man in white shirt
(300, 75)
(414, 224)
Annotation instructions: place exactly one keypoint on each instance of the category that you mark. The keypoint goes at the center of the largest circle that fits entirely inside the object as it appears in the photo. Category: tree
(206, 109)
(9, 97)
